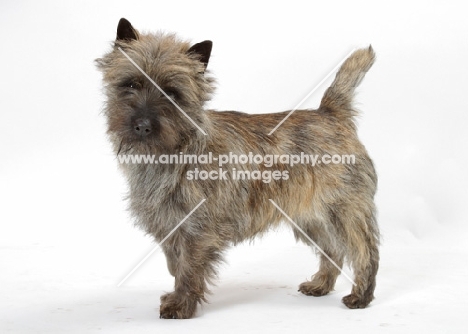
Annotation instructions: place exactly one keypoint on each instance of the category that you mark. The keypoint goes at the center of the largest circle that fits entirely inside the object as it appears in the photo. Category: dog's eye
(131, 84)
(173, 93)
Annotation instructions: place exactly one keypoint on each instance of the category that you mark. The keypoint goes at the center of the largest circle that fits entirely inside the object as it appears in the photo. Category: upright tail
(338, 98)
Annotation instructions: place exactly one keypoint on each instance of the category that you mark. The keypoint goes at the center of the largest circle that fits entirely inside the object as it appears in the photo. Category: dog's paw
(175, 306)
(314, 289)
(353, 301)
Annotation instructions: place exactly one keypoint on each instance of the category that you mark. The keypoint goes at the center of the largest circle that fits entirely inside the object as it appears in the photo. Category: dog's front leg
(172, 258)
(196, 264)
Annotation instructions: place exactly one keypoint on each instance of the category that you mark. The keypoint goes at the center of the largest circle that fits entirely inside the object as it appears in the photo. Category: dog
(156, 87)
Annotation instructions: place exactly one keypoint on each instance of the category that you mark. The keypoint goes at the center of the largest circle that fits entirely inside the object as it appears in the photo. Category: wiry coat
(332, 203)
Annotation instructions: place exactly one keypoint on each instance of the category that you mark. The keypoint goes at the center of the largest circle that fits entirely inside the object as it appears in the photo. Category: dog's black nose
(142, 126)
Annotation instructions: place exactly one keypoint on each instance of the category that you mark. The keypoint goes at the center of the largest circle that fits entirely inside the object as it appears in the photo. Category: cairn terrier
(331, 203)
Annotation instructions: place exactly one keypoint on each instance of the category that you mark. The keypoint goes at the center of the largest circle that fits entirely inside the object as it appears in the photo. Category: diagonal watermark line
(312, 91)
(313, 242)
(162, 91)
(162, 241)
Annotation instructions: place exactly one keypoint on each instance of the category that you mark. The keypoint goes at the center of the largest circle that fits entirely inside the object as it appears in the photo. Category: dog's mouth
(139, 139)
(124, 147)
(137, 145)
(150, 134)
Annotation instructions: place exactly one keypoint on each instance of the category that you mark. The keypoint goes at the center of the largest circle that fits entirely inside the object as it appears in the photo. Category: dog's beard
(133, 145)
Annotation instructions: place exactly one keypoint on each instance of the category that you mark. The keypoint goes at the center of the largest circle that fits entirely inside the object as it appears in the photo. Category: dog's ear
(125, 31)
(203, 50)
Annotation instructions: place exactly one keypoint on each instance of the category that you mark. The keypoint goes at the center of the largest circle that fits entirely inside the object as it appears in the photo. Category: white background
(66, 239)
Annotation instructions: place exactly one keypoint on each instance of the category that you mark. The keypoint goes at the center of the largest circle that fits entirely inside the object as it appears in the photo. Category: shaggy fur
(332, 203)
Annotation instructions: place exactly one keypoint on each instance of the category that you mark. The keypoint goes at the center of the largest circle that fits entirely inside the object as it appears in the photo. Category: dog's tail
(338, 98)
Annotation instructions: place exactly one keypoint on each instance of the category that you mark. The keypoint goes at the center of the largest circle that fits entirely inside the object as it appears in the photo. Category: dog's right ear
(125, 31)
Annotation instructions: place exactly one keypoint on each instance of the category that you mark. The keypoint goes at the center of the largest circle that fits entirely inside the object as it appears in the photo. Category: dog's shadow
(241, 295)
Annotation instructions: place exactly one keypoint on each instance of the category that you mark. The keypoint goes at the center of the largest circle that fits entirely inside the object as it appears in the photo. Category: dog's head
(156, 86)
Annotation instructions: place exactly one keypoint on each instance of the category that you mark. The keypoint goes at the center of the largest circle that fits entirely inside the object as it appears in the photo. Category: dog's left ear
(203, 50)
